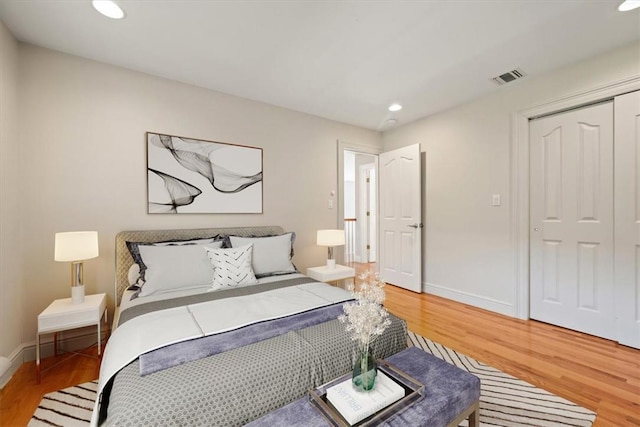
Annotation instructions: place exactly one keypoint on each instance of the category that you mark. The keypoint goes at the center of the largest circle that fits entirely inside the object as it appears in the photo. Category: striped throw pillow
(231, 267)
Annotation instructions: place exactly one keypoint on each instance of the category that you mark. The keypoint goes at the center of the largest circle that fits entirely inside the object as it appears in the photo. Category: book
(356, 405)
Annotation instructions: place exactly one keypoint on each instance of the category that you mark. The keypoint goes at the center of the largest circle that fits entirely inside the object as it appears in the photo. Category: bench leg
(472, 414)
(474, 418)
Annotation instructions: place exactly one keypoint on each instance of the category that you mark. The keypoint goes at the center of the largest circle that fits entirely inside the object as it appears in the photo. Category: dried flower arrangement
(365, 319)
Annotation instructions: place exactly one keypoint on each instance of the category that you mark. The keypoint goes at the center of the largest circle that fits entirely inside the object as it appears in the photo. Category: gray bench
(450, 396)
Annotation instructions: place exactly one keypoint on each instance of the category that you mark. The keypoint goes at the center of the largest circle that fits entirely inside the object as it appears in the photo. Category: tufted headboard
(124, 260)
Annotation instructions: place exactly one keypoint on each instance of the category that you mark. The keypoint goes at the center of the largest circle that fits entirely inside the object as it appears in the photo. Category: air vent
(509, 77)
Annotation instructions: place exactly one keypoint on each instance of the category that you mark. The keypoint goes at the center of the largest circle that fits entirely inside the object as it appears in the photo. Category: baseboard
(485, 303)
(26, 352)
(16, 359)
(71, 343)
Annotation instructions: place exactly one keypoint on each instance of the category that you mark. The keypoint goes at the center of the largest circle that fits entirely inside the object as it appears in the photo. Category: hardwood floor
(595, 373)
(592, 372)
(21, 396)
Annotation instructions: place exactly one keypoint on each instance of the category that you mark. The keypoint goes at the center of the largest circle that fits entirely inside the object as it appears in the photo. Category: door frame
(365, 205)
(358, 148)
(519, 158)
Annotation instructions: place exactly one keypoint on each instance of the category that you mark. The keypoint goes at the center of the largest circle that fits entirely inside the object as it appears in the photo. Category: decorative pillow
(271, 255)
(135, 252)
(231, 267)
(175, 267)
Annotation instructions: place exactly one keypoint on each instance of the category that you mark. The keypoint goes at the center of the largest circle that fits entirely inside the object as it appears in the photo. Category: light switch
(330, 203)
(495, 200)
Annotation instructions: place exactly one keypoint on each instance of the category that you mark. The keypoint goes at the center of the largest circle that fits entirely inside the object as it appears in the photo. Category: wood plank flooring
(21, 396)
(595, 373)
(592, 372)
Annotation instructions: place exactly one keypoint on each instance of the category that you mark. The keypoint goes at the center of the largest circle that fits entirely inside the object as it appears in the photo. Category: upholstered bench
(450, 396)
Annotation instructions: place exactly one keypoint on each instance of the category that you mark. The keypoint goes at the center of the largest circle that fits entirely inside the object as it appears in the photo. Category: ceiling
(343, 60)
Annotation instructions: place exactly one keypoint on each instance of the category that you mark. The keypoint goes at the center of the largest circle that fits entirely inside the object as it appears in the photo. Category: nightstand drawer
(62, 314)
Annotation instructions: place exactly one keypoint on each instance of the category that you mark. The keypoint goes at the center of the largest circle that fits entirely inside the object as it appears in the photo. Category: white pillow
(133, 275)
(271, 255)
(175, 267)
(231, 267)
(135, 252)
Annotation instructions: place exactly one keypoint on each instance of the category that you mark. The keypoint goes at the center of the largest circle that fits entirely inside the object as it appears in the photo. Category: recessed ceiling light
(628, 5)
(108, 8)
(395, 107)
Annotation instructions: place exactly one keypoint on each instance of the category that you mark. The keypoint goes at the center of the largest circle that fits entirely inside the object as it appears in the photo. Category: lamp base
(77, 294)
(331, 264)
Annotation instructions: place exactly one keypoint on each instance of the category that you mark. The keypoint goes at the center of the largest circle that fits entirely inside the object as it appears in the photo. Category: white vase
(77, 294)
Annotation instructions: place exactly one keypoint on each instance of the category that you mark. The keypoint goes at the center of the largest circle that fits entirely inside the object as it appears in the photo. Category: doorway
(359, 206)
(396, 230)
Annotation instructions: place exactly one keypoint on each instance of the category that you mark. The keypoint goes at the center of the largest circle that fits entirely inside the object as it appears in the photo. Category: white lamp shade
(331, 237)
(76, 246)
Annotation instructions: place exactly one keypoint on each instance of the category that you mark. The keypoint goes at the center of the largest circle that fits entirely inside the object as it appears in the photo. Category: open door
(400, 236)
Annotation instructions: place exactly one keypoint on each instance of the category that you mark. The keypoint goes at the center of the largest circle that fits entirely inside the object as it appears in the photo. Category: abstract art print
(186, 175)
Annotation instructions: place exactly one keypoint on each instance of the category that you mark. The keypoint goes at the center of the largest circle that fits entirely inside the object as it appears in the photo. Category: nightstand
(62, 315)
(328, 275)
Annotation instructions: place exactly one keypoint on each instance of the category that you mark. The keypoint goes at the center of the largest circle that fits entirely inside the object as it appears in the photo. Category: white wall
(468, 253)
(349, 195)
(82, 134)
(11, 283)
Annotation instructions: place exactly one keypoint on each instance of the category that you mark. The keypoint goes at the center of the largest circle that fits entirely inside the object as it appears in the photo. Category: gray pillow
(271, 255)
(176, 267)
(135, 254)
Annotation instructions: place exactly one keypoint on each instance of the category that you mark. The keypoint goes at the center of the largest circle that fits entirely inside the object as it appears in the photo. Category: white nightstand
(62, 315)
(327, 275)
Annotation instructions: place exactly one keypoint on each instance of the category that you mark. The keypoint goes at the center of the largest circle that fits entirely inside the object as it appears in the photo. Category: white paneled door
(627, 217)
(400, 237)
(571, 220)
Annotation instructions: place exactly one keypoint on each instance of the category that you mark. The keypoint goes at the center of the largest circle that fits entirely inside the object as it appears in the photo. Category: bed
(217, 327)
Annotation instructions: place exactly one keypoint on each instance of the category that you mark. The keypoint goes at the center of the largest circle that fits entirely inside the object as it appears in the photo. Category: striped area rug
(504, 400)
(70, 407)
(508, 401)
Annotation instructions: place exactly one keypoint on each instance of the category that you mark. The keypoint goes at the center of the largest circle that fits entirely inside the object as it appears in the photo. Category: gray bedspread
(239, 385)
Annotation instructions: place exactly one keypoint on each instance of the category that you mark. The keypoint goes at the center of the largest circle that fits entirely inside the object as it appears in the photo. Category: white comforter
(160, 328)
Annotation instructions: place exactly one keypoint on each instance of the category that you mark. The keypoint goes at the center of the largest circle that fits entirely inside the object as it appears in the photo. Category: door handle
(416, 225)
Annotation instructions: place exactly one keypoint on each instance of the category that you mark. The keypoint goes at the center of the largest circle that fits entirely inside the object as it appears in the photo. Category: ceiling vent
(509, 77)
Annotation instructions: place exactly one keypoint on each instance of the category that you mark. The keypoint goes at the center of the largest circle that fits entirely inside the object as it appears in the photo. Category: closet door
(571, 217)
(627, 218)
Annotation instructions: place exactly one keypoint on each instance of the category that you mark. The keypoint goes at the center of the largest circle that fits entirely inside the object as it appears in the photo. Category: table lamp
(330, 238)
(75, 247)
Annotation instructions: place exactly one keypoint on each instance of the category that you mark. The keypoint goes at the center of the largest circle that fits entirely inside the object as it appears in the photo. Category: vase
(365, 370)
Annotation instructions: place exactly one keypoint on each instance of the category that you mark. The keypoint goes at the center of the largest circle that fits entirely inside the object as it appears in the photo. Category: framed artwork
(186, 175)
